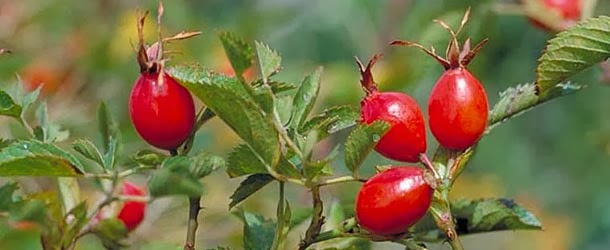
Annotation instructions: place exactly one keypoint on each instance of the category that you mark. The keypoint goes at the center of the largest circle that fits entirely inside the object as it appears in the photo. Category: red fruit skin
(457, 109)
(132, 212)
(163, 112)
(394, 200)
(569, 10)
(406, 138)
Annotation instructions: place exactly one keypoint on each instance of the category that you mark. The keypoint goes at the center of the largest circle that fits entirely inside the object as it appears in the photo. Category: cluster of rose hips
(395, 199)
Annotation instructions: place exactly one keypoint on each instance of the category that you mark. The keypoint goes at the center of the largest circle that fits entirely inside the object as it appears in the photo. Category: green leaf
(78, 220)
(112, 232)
(284, 108)
(6, 195)
(175, 178)
(317, 168)
(331, 120)
(111, 154)
(243, 161)
(479, 216)
(248, 187)
(35, 158)
(87, 149)
(8, 107)
(148, 157)
(276, 86)
(516, 100)
(258, 231)
(106, 125)
(240, 54)
(30, 98)
(305, 98)
(269, 61)
(361, 142)
(205, 163)
(233, 102)
(572, 51)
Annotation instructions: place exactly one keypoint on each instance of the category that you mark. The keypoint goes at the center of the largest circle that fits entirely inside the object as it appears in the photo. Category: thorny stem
(316, 221)
(194, 208)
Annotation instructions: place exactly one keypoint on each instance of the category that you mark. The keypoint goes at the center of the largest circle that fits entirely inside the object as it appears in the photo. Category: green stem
(341, 179)
(280, 239)
(280, 129)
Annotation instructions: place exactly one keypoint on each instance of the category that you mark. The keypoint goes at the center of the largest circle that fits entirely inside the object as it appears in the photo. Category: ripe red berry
(162, 111)
(394, 200)
(567, 13)
(457, 109)
(406, 138)
(132, 212)
(457, 106)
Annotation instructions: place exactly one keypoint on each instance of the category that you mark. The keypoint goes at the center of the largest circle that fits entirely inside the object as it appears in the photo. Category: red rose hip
(566, 13)
(394, 200)
(406, 138)
(162, 111)
(132, 213)
(457, 105)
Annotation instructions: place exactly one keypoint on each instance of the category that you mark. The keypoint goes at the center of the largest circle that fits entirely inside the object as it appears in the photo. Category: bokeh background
(555, 159)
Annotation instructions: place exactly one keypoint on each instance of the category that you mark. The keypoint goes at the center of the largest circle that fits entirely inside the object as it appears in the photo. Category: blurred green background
(555, 160)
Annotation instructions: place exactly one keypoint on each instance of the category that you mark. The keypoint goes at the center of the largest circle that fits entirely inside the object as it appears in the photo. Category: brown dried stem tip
(150, 58)
(455, 57)
(367, 82)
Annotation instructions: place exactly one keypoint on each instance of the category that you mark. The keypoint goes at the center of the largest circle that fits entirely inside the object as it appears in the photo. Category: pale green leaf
(572, 51)
(240, 54)
(269, 61)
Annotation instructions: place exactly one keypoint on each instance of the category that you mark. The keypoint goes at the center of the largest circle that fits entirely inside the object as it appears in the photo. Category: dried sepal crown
(367, 82)
(150, 58)
(454, 56)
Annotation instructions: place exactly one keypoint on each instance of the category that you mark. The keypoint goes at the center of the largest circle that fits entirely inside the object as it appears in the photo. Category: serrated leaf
(240, 54)
(148, 157)
(331, 120)
(233, 102)
(112, 232)
(518, 99)
(276, 86)
(175, 178)
(317, 168)
(248, 187)
(106, 125)
(572, 51)
(269, 61)
(8, 107)
(6, 195)
(87, 149)
(479, 216)
(258, 231)
(243, 161)
(361, 142)
(305, 98)
(35, 158)
(205, 163)
(30, 98)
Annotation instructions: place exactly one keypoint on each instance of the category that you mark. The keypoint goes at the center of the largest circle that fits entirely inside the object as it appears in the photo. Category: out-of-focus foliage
(554, 159)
